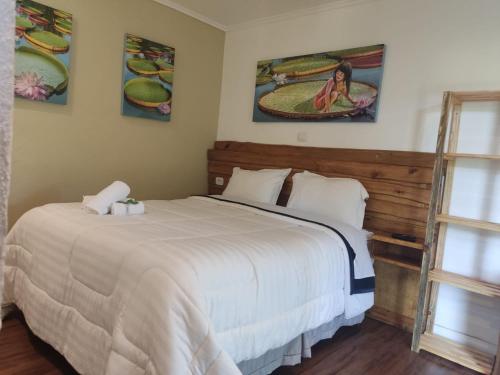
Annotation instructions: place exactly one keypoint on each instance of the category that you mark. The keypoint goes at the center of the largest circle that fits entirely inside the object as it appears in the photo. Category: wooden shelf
(466, 356)
(395, 241)
(472, 223)
(397, 260)
(453, 156)
(464, 282)
(476, 96)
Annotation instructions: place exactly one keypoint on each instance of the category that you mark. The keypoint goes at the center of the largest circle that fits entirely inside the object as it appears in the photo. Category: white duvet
(191, 287)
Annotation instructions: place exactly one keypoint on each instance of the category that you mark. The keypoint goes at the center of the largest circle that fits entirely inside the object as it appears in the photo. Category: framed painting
(334, 86)
(43, 45)
(148, 75)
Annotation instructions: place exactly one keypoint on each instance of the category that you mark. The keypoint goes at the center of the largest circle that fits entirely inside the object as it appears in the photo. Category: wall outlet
(219, 181)
(302, 137)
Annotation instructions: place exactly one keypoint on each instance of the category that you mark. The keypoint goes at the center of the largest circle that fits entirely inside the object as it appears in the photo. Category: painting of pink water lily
(335, 86)
(43, 44)
(148, 75)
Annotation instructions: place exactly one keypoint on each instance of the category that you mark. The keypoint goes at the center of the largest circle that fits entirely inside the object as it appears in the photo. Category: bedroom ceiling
(228, 14)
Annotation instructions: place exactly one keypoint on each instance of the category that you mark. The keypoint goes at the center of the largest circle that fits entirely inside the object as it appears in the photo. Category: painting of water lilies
(43, 40)
(334, 86)
(148, 75)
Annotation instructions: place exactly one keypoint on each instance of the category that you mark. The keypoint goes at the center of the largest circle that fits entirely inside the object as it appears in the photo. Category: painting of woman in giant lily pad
(148, 74)
(335, 86)
(43, 39)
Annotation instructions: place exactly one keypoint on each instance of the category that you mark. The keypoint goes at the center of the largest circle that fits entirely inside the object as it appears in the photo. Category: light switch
(219, 181)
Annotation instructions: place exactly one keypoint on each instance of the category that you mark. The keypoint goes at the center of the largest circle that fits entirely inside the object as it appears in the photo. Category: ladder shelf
(464, 282)
(455, 155)
(464, 355)
(472, 223)
(431, 270)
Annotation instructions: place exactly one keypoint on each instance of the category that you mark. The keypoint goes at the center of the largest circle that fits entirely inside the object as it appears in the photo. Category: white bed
(194, 286)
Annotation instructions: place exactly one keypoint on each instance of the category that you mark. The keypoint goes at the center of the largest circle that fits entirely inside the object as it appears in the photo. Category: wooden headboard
(399, 182)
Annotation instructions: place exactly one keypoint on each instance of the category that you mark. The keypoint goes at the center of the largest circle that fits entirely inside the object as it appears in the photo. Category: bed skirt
(300, 347)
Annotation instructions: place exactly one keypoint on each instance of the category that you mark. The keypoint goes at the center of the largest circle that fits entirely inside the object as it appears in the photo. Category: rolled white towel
(119, 209)
(135, 209)
(101, 203)
(86, 199)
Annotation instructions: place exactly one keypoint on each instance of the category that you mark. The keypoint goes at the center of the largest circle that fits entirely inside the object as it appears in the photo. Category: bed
(203, 285)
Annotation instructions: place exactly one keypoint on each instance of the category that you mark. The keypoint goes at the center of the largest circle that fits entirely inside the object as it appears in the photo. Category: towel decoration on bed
(128, 206)
(113, 200)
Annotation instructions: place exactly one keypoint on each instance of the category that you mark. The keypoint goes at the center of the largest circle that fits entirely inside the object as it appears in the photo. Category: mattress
(194, 286)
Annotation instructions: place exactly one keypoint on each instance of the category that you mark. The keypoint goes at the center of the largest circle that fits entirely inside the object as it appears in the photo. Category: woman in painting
(338, 85)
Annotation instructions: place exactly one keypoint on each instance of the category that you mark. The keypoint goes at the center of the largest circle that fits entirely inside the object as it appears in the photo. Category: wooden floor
(372, 348)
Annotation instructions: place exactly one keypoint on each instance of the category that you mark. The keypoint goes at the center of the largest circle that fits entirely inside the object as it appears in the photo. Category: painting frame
(333, 86)
(147, 79)
(42, 52)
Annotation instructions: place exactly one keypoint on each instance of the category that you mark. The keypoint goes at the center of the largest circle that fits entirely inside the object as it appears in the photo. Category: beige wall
(62, 152)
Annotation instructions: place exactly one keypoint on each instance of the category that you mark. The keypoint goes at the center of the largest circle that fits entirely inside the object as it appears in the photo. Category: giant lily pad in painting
(48, 41)
(142, 66)
(362, 57)
(62, 14)
(22, 23)
(296, 100)
(163, 65)
(146, 92)
(262, 79)
(30, 9)
(166, 76)
(304, 66)
(64, 25)
(52, 71)
(39, 20)
(359, 51)
(132, 47)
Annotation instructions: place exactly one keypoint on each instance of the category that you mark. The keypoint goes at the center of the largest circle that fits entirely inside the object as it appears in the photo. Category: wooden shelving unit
(464, 355)
(432, 273)
(454, 156)
(395, 241)
(464, 282)
(471, 223)
(403, 262)
(402, 255)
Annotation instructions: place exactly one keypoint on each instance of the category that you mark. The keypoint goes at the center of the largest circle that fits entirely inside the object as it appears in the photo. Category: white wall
(431, 46)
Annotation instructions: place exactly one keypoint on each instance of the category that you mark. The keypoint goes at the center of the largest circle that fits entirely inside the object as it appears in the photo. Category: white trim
(200, 17)
(335, 4)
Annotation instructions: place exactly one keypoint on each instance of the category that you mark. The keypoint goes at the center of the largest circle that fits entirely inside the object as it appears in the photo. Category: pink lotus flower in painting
(30, 86)
(365, 101)
(164, 108)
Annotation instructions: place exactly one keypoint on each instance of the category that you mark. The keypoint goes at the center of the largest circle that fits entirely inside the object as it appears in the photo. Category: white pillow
(341, 199)
(258, 186)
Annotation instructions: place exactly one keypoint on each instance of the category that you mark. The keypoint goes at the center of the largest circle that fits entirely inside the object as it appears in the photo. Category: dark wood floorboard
(371, 348)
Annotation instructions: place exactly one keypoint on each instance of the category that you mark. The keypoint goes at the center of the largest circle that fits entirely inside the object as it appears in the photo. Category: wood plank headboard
(399, 182)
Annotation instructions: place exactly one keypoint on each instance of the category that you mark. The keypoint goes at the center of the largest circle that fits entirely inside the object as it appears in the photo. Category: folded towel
(101, 203)
(86, 199)
(119, 209)
(135, 209)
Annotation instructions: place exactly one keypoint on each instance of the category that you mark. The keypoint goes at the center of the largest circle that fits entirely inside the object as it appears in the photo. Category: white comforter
(191, 287)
